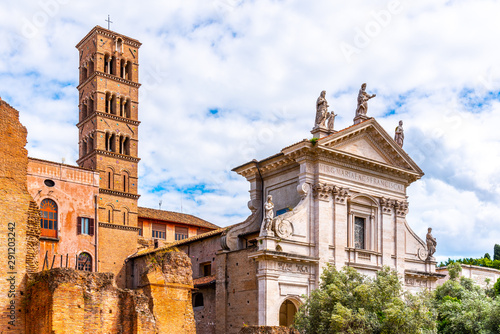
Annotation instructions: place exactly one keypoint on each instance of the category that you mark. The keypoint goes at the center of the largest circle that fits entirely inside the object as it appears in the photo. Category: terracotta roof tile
(146, 251)
(175, 217)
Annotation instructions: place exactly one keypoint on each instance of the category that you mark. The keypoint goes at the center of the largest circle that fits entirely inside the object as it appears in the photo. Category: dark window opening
(359, 233)
(198, 300)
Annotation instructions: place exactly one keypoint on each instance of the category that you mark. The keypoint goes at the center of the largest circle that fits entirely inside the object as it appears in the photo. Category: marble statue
(331, 120)
(431, 244)
(267, 222)
(363, 98)
(399, 136)
(321, 110)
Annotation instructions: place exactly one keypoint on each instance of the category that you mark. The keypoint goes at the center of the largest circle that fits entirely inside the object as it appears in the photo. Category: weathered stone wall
(168, 282)
(236, 291)
(68, 301)
(267, 330)
(19, 220)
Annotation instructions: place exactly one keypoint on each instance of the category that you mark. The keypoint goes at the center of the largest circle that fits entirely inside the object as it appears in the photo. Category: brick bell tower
(108, 125)
(108, 140)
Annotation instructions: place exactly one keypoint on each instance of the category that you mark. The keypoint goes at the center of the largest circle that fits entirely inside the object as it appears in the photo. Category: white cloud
(262, 64)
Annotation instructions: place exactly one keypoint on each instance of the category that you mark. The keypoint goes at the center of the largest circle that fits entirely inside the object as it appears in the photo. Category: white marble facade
(341, 200)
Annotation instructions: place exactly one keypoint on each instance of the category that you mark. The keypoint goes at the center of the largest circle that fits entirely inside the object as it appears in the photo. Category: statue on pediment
(363, 98)
(431, 244)
(399, 136)
(331, 120)
(267, 222)
(321, 110)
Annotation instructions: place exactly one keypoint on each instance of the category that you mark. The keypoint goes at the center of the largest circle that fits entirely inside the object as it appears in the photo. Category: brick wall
(19, 218)
(68, 301)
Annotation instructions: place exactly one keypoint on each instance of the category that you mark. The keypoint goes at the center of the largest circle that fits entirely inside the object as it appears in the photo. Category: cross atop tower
(109, 21)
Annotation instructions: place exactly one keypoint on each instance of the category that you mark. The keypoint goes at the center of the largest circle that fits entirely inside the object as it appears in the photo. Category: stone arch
(287, 310)
(125, 212)
(110, 177)
(84, 261)
(125, 175)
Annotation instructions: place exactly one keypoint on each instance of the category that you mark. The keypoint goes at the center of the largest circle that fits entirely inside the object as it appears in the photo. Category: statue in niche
(431, 244)
(399, 136)
(321, 110)
(331, 120)
(267, 222)
(363, 98)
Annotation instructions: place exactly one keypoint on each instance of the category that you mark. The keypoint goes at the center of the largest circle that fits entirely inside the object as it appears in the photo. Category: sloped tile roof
(175, 217)
(204, 280)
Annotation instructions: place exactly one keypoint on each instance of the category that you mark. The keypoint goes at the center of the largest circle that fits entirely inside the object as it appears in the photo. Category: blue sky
(227, 81)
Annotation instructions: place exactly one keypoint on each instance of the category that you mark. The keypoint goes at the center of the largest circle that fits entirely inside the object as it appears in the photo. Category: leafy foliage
(496, 252)
(464, 307)
(349, 302)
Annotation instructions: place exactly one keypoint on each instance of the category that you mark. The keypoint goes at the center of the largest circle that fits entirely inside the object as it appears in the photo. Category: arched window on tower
(123, 102)
(126, 146)
(120, 144)
(84, 72)
(83, 108)
(124, 216)
(91, 67)
(112, 65)
(107, 143)
(125, 178)
(84, 262)
(90, 143)
(128, 71)
(108, 103)
(119, 45)
(48, 222)
(109, 178)
(84, 148)
(127, 109)
(109, 214)
(112, 143)
(123, 64)
(113, 104)
(90, 106)
(106, 64)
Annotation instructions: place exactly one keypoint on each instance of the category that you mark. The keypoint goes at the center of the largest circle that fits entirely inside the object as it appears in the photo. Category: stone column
(401, 209)
(387, 234)
(341, 196)
(268, 291)
(322, 224)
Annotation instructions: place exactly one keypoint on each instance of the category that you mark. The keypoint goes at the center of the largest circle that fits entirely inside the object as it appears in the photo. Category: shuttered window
(181, 233)
(85, 226)
(159, 231)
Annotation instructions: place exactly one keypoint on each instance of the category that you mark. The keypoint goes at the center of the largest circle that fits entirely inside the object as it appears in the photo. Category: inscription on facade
(350, 175)
(290, 267)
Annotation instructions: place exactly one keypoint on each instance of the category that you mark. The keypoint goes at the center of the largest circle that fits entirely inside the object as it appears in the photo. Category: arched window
(48, 222)
(84, 262)
(113, 104)
(84, 148)
(126, 146)
(106, 64)
(108, 103)
(198, 300)
(84, 110)
(84, 72)
(90, 144)
(91, 67)
(127, 109)
(128, 71)
(125, 216)
(125, 182)
(109, 178)
(90, 106)
(119, 44)
(112, 143)
(287, 313)
(112, 64)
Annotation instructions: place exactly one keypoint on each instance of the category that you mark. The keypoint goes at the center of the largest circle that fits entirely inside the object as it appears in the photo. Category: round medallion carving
(284, 229)
(422, 254)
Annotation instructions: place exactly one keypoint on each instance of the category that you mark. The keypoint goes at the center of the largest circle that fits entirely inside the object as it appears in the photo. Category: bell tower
(108, 121)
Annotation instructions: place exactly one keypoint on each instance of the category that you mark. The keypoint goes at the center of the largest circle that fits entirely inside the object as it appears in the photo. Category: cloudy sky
(227, 81)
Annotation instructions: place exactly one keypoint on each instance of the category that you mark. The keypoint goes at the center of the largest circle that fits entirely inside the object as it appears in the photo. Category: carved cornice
(111, 154)
(108, 76)
(120, 227)
(118, 193)
(109, 116)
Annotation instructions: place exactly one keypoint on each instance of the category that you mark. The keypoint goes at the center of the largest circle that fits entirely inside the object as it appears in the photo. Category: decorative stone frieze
(401, 208)
(387, 205)
(322, 191)
(341, 194)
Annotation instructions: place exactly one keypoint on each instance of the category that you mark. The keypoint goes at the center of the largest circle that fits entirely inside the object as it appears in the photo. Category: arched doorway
(287, 313)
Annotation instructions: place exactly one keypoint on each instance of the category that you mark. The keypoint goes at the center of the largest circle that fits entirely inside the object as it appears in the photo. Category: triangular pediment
(368, 140)
(365, 148)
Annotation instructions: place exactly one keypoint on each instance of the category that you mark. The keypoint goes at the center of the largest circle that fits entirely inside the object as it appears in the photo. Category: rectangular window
(205, 269)
(140, 225)
(181, 233)
(85, 226)
(159, 231)
(359, 233)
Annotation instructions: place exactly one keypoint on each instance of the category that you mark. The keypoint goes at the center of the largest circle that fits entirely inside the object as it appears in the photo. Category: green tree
(464, 307)
(487, 256)
(496, 252)
(349, 302)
